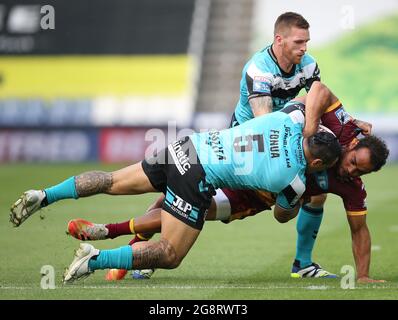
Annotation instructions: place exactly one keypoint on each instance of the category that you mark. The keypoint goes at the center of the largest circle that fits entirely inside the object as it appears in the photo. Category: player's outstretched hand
(366, 127)
(369, 280)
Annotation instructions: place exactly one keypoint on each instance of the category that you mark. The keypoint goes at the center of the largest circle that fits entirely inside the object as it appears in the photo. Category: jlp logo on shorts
(180, 206)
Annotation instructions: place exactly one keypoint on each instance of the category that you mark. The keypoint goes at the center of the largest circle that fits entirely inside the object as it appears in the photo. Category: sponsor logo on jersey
(322, 180)
(261, 79)
(261, 84)
(180, 158)
(286, 135)
(342, 115)
(279, 103)
(214, 142)
(299, 153)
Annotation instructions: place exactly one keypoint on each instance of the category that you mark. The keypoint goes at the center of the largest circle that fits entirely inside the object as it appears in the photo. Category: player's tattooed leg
(93, 182)
(160, 254)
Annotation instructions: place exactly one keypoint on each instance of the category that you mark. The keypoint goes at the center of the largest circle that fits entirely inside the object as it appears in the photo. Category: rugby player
(272, 77)
(276, 74)
(360, 156)
(188, 171)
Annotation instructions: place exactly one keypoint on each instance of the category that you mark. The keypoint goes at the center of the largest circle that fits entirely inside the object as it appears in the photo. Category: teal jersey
(262, 76)
(265, 153)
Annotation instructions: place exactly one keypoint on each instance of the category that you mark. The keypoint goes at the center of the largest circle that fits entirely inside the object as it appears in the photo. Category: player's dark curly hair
(324, 146)
(378, 150)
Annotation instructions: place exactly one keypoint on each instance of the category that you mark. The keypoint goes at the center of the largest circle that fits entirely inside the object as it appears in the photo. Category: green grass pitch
(248, 259)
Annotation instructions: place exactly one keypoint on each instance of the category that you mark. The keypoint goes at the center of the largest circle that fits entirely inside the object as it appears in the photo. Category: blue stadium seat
(81, 110)
(70, 112)
(59, 114)
(32, 113)
(9, 112)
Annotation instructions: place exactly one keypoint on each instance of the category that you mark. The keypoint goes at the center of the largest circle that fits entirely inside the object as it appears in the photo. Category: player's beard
(341, 174)
(297, 58)
(293, 57)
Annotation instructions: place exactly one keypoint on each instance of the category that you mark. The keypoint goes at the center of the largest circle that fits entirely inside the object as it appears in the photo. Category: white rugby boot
(25, 206)
(314, 270)
(79, 269)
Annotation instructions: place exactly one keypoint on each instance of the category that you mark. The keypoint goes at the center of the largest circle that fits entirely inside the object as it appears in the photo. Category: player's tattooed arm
(150, 255)
(261, 105)
(93, 182)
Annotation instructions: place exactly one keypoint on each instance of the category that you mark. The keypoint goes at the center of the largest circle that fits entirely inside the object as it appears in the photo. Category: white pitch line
(317, 287)
(311, 287)
(209, 287)
(18, 288)
(168, 287)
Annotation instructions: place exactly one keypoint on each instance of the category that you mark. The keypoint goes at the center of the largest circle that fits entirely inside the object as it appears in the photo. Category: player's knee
(174, 263)
(282, 218)
(171, 260)
(318, 201)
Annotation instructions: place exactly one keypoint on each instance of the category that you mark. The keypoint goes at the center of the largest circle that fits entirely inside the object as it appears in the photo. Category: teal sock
(64, 190)
(120, 258)
(308, 223)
